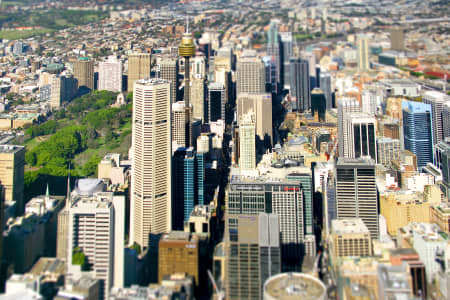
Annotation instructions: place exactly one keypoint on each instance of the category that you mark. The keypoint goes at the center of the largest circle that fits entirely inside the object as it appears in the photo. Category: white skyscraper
(369, 102)
(110, 75)
(363, 52)
(150, 211)
(345, 105)
(247, 146)
(97, 229)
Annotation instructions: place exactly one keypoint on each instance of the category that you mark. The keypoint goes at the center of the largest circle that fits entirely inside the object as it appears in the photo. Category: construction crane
(220, 294)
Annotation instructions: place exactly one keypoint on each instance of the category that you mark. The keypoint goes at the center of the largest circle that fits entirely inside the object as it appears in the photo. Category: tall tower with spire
(186, 50)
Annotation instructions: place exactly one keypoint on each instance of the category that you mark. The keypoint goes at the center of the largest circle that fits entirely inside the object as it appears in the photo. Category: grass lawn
(22, 34)
(32, 143)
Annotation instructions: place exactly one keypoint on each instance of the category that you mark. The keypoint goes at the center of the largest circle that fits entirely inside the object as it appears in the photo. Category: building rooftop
(355, 162)
(290, 286)
(349, 226)
(179, 236)
(152, 81)
(11, 148)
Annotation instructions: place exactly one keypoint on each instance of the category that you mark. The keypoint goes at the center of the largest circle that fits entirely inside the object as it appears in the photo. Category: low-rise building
(350, 237)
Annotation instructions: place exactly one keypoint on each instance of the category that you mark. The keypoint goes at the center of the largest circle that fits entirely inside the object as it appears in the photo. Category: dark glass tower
(417, 131)
(299, 76)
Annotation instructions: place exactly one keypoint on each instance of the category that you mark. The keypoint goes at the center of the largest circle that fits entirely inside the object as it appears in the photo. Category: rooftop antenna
(187, 24)
(47, 197)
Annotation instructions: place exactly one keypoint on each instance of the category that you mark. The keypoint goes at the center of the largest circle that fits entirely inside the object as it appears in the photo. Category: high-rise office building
(417, 130)
(325, 86)
(345, 105)
(350, 237)
(216, 102)
(318, 104)
(300, 86)
(247, 146)
(12, 166)
(369, 102)
(287, 52)
(198, 67)
(273, 48)
(252, 249)
(179, 253)
(356, 192)
(446, 120)
(83, 71)
(168, 70)
(317, 76)
(359, 132)
(188, 184)
(151, 173)
(261, 104)
(289, 198)
(97, 230)
(388, 150)
(436, 100)
(397, 39)
(181, 125)
(110, 75)
(139, 67)
(362, 43)
(63, 88)
(250, 73)
(198, 100)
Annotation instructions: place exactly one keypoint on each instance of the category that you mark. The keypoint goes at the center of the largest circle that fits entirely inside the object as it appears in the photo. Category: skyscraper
(436, 100)
(388, 150)
(345, 105)
(63, 88)
(12, 166)
(188, 181)
(356, 192)
(250, 72)
(110, 75)
(397, 39)
(362, 43)
(286, 45)
(247, 146)
(369, 102)
(252, 249)
(299, 69)
(359, 129)
(151, 176)
(261, 104)
(83, 71)
(97, 229)
(216, 101)
(318, 104)
(325, 86)
(290, 198)
(181, 129)
(198, 100)
(168, 70)
(417, 130)
(273, 48)
(446, 120)
(139, 67)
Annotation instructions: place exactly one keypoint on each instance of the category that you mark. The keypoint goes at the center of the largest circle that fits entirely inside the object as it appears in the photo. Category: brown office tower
(83, 71)
(397, 39)
(12, 163)
(252, 250)
(178, 253)
(139, 67)
(168, 68)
